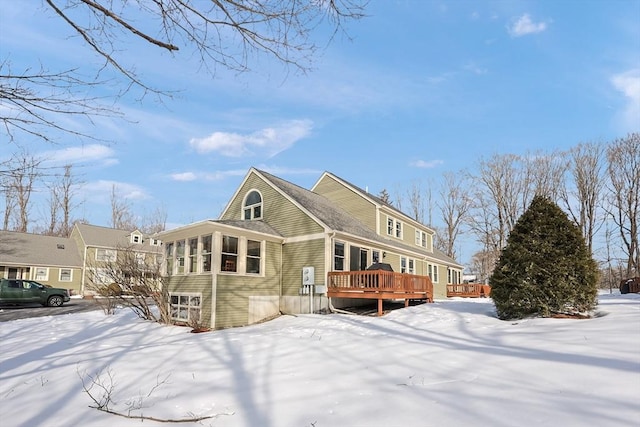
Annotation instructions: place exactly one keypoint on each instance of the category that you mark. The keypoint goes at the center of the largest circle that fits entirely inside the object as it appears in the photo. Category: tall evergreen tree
(545, 268)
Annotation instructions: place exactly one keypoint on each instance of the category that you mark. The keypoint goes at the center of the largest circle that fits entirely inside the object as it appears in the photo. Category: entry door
(358, 258)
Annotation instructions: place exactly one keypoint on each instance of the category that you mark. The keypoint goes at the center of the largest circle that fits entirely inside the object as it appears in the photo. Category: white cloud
(629, 84)
(423, 164)
(524, 25)
(100, 191)
(266, 142)
(184, 176)
(207, 176)
(81, 154)
(474, 68)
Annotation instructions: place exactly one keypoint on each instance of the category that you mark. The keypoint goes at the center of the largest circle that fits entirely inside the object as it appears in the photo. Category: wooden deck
(379, 285)
(468, 290)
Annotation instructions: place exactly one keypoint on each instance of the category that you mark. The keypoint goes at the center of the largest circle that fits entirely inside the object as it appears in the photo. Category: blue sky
(421, 88)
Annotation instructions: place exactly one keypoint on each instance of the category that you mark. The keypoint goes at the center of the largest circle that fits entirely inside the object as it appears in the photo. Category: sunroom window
(206, 253)
(229, 254)
(252, 208)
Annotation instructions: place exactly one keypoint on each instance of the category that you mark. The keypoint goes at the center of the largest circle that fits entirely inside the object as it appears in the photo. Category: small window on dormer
(136, 238)
(252, 208)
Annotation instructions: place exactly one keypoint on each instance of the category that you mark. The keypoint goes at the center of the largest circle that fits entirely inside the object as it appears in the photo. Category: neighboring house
(247, 265)
(49, 260)
(98, 246)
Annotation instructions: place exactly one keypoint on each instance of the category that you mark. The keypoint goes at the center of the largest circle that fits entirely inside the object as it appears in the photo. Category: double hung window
(180, 246)
(65, 275)
(42, 273)
(338, 256)
(229, 254)
(193, 255)
(253, 256)
(169, 257)
(206, 253)
(106, 254)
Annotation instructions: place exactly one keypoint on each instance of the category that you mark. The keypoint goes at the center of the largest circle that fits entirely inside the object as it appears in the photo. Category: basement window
(186, 307)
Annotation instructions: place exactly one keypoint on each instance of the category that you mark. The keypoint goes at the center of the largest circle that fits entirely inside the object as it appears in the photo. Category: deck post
(379, 306)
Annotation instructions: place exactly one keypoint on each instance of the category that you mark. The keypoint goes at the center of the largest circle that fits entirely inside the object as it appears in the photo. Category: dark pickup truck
(19, 291)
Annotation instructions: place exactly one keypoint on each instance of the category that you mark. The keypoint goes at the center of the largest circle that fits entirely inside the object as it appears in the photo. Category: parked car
(630, 285)
(20, 291)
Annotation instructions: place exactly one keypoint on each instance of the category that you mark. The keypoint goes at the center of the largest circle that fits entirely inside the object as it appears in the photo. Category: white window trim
(421, 238)
(185, 294)
(251, 207)
(46, 274)
(344, 255)
(191, 256)
(396, 226)
(169, 258)
(177, 257)
(237, 254)
(202, 254)
(261, 257)
(110, 255)
(60, 279)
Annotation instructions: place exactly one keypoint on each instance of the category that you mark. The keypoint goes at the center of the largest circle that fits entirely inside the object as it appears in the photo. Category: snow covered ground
(451, 363)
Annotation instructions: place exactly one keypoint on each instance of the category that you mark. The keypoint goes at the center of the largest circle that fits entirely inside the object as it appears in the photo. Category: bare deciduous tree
(61, 204)
(35, 101)
(18, 182)
(623, 156)
(133, 278)
(582, 194)
(415, 195)
(482, 263)
(221, 33)
(502, 193)
(454, 204)
(155, 222)
(121, 216)
(545, 172)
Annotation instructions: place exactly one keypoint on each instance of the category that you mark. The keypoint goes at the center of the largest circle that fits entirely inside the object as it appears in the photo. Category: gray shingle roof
(97, 236)
(254, 225)
(339, 220)
(35, 249)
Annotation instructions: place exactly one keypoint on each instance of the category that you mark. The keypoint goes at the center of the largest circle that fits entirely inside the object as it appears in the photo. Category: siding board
(278, 211)
(347, 200)
(200, 283)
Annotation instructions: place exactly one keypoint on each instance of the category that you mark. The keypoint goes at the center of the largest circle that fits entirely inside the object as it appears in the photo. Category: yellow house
(248, 265)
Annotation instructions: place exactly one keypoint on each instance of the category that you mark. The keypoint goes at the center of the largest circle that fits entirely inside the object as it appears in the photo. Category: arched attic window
(252, 207)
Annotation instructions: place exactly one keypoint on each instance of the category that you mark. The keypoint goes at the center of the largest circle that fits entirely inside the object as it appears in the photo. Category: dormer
(136, 238)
